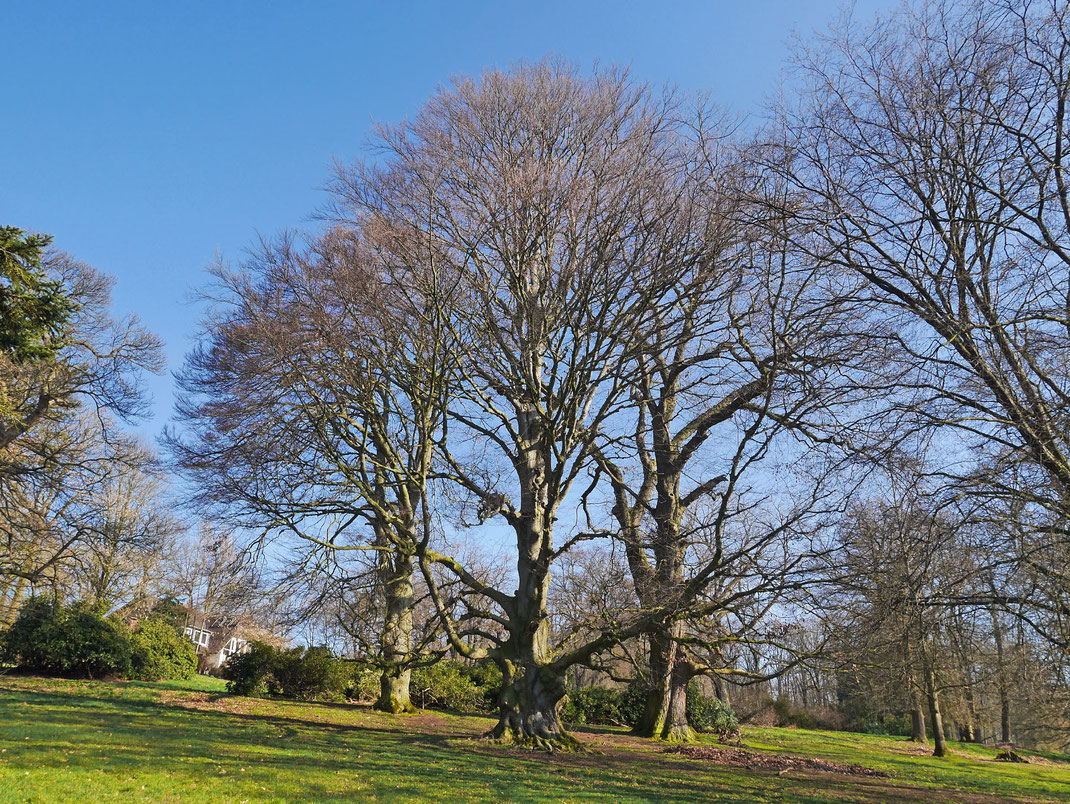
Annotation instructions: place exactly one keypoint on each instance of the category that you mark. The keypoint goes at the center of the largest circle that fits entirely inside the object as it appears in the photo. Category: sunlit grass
(188, 742)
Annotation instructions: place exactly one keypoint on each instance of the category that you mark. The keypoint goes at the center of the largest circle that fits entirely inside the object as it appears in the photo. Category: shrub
(632, 704)
(362, 683)
(52, 639)
(488, 678)
(247, 673)
(624, 707)
(308, 674)
(707, 713)
(304, 674)
(593, 705)
(446, 685)
(160, 651)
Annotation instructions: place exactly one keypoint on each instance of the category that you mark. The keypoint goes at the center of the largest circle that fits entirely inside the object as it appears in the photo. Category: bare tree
(558, 209)
(930, 147)
(311, 414)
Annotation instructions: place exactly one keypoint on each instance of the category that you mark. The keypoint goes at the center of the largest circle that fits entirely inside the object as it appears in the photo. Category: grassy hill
(187, 742)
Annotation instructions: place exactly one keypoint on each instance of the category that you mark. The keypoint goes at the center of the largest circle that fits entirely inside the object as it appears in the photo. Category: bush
(308, 674)
(593, 705)
(362, 683)
(247, 673)
(707, 713)
(624, 707)
(821, 717)
(886, 724)
(160, 651)
(488, 678)
(303, 674)
(73, 641)
(446, 685)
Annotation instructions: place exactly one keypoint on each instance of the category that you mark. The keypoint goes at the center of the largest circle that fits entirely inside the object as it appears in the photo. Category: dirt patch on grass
(206, 701)
(781, 763)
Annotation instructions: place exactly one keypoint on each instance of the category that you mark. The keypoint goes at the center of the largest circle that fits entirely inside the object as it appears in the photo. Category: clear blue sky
(148, 136)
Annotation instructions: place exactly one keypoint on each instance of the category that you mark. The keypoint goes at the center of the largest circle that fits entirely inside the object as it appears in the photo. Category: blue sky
(147, 137)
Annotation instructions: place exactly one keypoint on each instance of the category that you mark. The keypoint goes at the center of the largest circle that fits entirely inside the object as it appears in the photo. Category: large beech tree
(751, 348)
(311, 410)
(560, 209)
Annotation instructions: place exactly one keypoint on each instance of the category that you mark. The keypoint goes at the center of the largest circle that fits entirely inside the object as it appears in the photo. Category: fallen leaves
(781, 763)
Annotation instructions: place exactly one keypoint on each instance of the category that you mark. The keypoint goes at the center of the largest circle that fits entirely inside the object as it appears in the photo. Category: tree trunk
(970, 729)
(532, 687)
(659, 687)
(528, 710)
(720, 689)
(939, 742)
(1004, 692)
(917, 721)
(395, 574)
(917, 711)
(665, 713)
(677, 728)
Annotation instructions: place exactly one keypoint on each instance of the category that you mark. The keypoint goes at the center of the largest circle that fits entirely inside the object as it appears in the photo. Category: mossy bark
(528, 715)
(394, 692)
(395, 575)
(665, 711)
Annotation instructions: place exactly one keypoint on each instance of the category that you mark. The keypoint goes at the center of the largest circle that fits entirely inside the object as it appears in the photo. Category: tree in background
(62, 450)
(929, 151)
(33, 307)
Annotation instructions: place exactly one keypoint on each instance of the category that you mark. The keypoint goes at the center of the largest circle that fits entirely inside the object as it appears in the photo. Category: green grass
(188, 742)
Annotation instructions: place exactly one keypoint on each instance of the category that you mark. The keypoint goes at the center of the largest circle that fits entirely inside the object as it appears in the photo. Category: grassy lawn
(186, 742)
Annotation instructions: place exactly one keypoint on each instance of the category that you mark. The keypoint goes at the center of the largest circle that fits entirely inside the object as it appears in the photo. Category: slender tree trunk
(917, 711)
(939, 742)
(1004, 692)
(970, 730)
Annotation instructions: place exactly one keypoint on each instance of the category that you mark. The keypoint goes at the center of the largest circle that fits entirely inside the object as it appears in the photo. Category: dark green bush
(593, 705)
(708, 713)
(160, 651)
(362, 683)
(304, 674)
(446, 685)
(624, 707)
(247, 673)
(488, 678)
(308, 674)
(73, 641)
(632, 703)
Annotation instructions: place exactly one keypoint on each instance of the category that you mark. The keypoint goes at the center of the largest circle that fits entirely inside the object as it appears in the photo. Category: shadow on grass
(277, 746)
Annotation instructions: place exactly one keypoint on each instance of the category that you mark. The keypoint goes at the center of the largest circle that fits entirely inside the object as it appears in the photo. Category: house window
(235, 645)
(198, 636)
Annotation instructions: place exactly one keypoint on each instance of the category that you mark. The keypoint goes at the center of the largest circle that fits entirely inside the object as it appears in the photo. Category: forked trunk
(665, 711)
(677, 728)
(658, 688)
